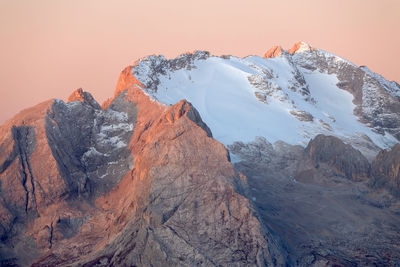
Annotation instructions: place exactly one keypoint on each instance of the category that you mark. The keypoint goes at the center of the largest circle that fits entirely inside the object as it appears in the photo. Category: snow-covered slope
(291, 97)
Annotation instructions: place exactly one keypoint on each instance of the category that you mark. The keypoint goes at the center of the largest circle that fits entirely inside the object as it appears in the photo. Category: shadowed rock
(386, 170)
(91, 145)
(322, 216)
(342, 158)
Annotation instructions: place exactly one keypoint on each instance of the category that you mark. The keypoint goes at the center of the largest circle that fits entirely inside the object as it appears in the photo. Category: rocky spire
(274, 52)
(84, 97)
(300, 47)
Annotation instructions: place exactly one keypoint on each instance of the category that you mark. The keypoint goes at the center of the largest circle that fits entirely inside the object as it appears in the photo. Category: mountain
(290, 159)
(297, 92)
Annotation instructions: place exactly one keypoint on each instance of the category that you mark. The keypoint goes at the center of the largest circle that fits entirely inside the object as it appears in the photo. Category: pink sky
(49, 48)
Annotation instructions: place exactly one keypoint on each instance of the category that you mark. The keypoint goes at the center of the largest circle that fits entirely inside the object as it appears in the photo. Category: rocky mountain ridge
(154, 200)
(144, 180)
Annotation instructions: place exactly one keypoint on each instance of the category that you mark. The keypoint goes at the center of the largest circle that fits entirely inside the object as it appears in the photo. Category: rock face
(186, 211)
(300, 47)
(90, 145)
(136, 184)
(386, 170)
(343, 159)
(84, 97)
(274, 52)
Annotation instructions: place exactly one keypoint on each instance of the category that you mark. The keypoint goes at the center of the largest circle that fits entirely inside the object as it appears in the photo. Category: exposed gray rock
(302, 115)
(323, 219)
(91, 145)
(342, 158)
(386, 170)
(154, 66)
(377, 100)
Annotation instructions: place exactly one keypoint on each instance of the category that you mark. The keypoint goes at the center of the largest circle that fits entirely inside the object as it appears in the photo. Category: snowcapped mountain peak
(300, 47)
(296, 48)
(274, 52)
(289, 96)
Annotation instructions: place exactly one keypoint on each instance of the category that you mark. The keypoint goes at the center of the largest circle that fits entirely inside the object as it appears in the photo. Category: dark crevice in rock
(31, 180)
(24, 179)
(16, 136)
(10, 159)
(51, 235)
(41, 190)
(24, 138)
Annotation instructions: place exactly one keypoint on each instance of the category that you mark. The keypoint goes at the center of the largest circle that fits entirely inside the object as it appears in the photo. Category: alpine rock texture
(291, 159)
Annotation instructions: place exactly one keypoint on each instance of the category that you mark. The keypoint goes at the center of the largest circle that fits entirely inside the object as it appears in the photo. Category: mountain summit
(289, 95)
(284, 160)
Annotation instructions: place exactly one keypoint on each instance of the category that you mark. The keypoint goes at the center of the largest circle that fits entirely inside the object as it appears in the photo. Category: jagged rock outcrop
(85, 97)
(273, 52)
(300, 47)
(343, 159)
(54, 154)
(154, 66)
(90, 145)
(386, 170)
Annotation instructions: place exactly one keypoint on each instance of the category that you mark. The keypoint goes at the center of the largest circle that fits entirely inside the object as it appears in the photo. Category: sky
(49, 48)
